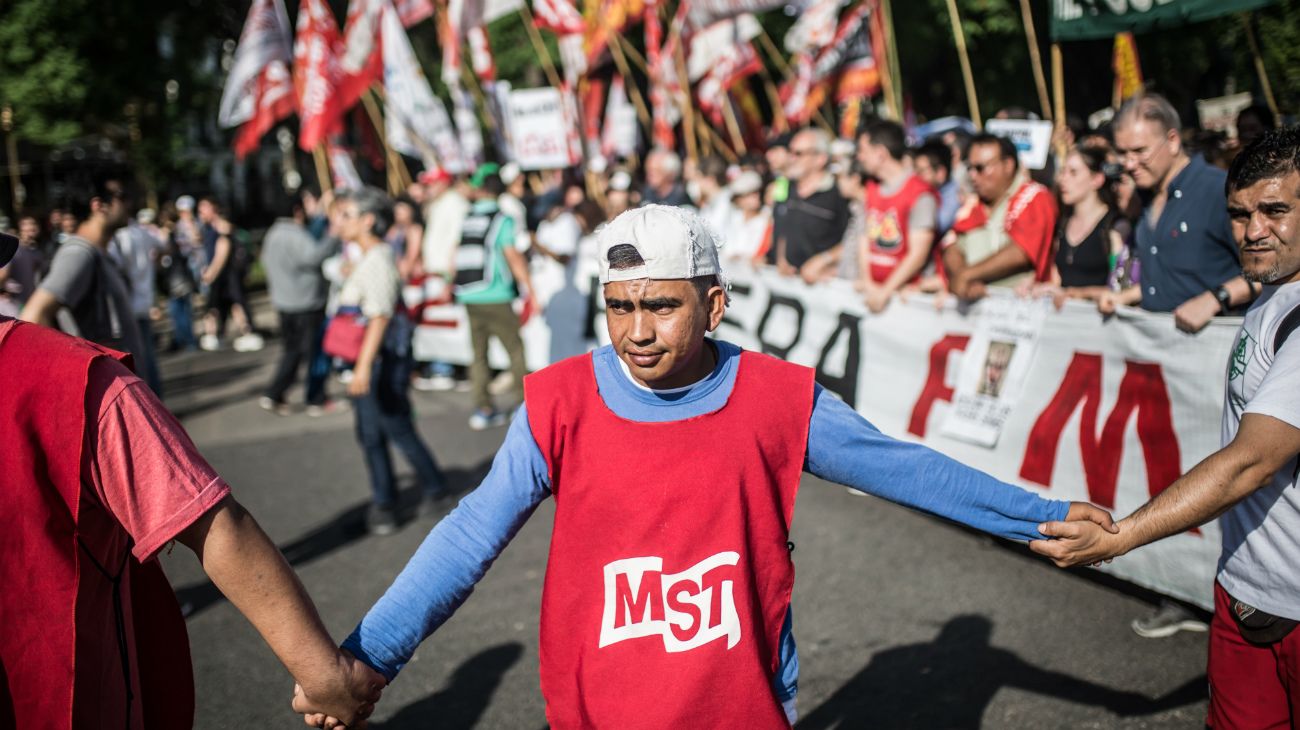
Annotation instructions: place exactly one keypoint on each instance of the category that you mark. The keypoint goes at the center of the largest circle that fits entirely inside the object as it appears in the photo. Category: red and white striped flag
(259, 89)
(361, 63)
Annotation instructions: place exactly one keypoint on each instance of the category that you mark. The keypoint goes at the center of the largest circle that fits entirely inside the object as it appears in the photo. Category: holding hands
(339, 696)
(1081, 540)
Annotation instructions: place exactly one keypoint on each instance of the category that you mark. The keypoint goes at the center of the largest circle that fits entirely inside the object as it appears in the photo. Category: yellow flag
(1128, 70)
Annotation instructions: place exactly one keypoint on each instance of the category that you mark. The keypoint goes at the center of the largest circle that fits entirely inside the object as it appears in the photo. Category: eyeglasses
(803, 153)
(979, 167)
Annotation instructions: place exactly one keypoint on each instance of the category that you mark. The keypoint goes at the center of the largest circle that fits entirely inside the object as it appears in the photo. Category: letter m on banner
(1142, 390)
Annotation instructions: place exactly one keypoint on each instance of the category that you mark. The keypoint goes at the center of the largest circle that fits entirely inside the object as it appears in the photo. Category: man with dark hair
(934, 166)
(666, 601)
(489, 273)
(1184, 240)
(98, 480)
(1251, 483)
(901, 210)
(292, 259)
(1003, 235)
(84, 281)
(18, 278)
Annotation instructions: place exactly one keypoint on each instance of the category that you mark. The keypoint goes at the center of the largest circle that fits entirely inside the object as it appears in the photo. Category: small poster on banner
(994, 368)
(538, 129)
(1033, 139)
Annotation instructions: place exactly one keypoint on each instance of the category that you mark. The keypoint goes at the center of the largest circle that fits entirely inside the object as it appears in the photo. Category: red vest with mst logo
(669, 575)
(887, 230)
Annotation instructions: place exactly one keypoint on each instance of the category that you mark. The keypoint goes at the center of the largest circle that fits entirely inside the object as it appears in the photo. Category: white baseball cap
(658, 242)
(509, 173)
(746, 182)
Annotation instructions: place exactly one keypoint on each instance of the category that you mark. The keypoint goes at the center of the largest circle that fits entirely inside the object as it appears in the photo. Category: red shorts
(1251, 686)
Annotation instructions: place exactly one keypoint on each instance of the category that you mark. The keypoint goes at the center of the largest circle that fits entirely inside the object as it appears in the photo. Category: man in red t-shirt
(901, 210)
(1003, 235)
(99, 478)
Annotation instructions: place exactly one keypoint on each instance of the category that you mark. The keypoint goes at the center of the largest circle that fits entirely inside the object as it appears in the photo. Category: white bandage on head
(658, 242)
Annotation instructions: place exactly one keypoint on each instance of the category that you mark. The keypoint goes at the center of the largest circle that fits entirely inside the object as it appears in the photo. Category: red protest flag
(259, 89)
(316, 73)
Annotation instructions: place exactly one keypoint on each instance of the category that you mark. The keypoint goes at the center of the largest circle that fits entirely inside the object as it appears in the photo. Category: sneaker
(272, 405)
(854, 492)
(345, 376)
(251, 342)
(434, 384)
(329, 407)
(210, 343)
(483, 420)
(381, 520)
(1168, 619)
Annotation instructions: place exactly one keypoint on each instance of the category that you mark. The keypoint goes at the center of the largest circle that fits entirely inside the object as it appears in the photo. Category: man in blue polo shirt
(1184, 241)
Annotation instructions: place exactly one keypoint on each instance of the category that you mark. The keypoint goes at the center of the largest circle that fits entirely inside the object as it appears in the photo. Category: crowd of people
(1128, 215)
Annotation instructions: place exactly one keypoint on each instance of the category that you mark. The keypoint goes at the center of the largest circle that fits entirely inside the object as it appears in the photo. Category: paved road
(903, 620)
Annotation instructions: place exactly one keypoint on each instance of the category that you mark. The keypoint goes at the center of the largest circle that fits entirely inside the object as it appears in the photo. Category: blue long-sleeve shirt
(843, 447)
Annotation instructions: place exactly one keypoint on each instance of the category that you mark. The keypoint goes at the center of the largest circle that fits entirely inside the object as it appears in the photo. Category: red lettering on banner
(936, 388)
(1142, 390)
(632, 609)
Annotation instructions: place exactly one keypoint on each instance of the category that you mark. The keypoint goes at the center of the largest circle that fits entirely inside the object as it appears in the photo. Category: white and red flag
(413, 11)
(848, 50)
(259, 89)
(361, 63)
(316, 73)
(704, 13)
(558, 16)
(416, 122)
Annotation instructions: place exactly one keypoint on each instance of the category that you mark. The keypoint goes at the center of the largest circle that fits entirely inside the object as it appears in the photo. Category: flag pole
(1058, 88)
(395, 186)
(765, 41)
(895, 91)
(688, 109)
(629, 82)
(322, 169)
(1265, 86)
(969, 78)
(733, 126)
(1036, 58)
(548, 64)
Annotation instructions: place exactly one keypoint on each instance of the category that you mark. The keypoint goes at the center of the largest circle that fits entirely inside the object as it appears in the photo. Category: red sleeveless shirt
(669, 574)
(887, 225)
(42, 435)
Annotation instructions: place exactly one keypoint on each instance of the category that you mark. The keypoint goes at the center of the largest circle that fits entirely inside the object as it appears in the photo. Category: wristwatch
(1222, 294)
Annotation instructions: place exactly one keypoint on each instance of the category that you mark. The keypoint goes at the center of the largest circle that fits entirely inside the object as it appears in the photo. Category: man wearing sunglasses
(1003, 235)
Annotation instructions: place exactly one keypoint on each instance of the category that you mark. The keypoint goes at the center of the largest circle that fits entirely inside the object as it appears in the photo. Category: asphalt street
(902, 620)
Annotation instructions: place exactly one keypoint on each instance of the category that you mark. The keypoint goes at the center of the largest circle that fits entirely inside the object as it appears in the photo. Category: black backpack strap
(1288, 325)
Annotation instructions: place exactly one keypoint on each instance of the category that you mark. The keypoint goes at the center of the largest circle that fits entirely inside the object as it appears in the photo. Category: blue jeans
(181, 310)
(148, 365)
(384, 415)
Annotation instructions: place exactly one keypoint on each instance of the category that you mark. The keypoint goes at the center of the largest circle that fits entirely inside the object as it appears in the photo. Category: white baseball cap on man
(658, 242)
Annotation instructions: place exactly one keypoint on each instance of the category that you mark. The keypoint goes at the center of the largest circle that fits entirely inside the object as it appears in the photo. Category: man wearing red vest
(901, 211)
(667, 593)
(98, 479)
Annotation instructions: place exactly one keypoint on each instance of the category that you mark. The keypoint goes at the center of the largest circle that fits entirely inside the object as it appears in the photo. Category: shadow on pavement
(461, 704)
(949, 682)
(343, 529)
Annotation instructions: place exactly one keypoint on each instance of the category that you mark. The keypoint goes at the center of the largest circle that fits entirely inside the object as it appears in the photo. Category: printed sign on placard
(538, 131)
(994, 368)
(1033, 139)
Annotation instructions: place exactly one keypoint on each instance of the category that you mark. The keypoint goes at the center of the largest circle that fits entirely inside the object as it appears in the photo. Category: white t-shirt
(560, 236)
(745, 237)
(1261, 534)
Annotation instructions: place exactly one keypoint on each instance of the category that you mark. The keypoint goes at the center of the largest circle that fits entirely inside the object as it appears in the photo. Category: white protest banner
(1112, 411)
(539, 134)
(416, 122)
(994, 368)
(1033, 139)
(1220, 113)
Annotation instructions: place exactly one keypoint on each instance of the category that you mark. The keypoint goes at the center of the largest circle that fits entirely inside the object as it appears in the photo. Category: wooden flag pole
(472, 82)
(769, 46)
(1259, 68)
(960, 35)
(774, 100)
(1058, 88)
(322, 168)
(1036, 59)
(548, 64)
(395, 186)
(684, 99)
(629, 83)
(733, 126)
(895, 91)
